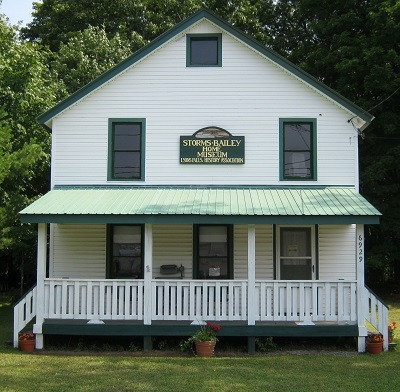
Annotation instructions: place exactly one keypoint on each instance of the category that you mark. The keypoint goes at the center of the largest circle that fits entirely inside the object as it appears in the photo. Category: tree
(27, 88)
(88, 54)
(57, 21)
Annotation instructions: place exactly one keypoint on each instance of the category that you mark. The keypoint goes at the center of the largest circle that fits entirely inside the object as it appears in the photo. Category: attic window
(204, 50)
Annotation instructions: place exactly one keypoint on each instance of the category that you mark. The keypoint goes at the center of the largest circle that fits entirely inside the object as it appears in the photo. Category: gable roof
(45, 119)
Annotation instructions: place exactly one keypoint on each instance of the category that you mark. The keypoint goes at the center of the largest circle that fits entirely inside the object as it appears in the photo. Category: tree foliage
(88, 54)
(26, 89)
(57, 21)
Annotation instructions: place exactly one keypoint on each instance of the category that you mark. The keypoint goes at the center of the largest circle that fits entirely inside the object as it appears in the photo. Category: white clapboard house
(204, 178)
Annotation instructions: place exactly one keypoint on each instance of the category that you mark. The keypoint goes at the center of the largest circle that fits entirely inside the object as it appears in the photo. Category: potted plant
(391, 328)
(26, 341)
(374, 343)
(204, 339)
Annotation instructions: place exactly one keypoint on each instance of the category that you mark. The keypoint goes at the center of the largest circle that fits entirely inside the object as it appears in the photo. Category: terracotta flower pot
(205, 349)
(27, 345)
(375, 348)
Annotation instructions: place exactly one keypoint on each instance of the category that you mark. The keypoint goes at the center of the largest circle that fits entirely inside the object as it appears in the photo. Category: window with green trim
(298, 149)
(213, 251)
(126, 251)
(204, 50)
(126, 149)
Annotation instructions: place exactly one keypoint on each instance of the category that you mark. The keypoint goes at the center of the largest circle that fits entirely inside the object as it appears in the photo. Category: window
(213, 252)
(295, 253)
(298, 149)
(204, 50)
(126, 149)
(126, 252)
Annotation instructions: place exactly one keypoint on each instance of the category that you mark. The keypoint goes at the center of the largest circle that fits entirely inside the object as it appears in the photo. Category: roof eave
(200, 219)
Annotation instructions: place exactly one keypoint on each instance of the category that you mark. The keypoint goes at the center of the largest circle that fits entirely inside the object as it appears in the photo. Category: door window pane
(295, 254)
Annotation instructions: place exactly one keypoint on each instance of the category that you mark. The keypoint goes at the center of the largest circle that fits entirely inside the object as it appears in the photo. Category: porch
(253, 304)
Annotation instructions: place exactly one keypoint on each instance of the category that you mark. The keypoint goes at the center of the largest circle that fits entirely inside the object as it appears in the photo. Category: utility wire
(379, 104)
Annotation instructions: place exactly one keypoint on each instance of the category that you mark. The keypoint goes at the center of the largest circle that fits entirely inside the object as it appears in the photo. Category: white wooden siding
(264, 246)
(337, 252)
(78, 251)
(246, 96)
(240, 252)
(264, 252)
(172, 244)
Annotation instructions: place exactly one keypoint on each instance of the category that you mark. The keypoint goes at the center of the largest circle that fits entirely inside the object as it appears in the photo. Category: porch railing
(93, 299)
(306, 301)
(199, 300)
(178, 300)
(24, 312)
(377, 314)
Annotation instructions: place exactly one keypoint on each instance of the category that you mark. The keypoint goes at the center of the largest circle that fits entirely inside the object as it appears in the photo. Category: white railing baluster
(376, 313)
(24, 312)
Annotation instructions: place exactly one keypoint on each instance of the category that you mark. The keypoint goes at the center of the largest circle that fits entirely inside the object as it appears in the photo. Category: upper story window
(126, 149)
(298, 150)
(204, 50)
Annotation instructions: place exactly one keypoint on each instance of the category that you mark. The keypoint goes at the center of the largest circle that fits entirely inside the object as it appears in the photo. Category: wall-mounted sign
(212, 145)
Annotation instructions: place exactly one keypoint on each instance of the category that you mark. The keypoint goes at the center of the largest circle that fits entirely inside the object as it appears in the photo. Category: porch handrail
(376, 312)
(199, 300)
(94, 299)
(24, 312)
(190, 300)
(306, 301)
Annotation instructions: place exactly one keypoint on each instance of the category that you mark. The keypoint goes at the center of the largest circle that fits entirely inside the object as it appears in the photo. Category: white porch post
(361, 316)
(251, 268)
(41, 275)
(148, 267)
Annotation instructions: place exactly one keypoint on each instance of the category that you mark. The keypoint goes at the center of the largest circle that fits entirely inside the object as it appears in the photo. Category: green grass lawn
(331, 371)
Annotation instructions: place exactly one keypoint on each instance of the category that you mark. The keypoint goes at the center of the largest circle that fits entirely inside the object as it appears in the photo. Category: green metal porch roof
(197, 204)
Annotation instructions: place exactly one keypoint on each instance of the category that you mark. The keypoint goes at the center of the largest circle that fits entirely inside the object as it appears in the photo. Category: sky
(17, 10)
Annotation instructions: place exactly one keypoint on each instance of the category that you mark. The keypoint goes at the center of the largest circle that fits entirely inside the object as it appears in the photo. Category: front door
(295, 260)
